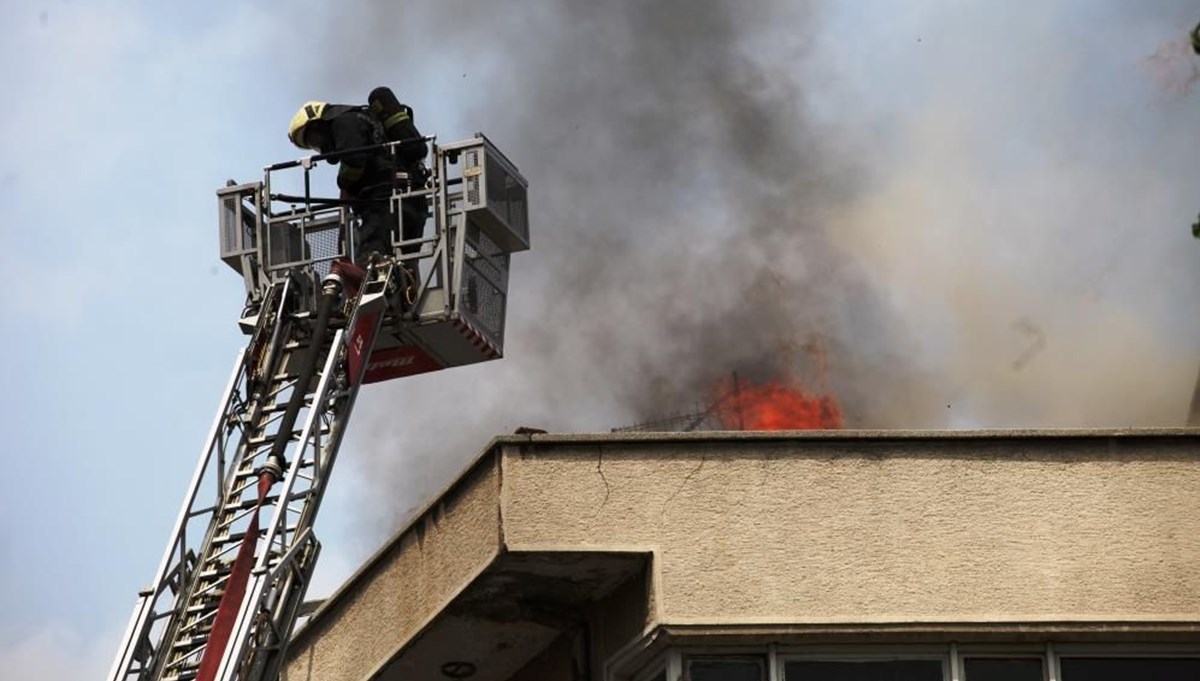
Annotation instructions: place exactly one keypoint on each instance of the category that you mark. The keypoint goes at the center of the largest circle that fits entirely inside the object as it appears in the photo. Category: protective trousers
(376, 222)
(377, 219)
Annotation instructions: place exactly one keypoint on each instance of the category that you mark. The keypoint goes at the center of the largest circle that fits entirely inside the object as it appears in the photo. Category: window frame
(673, 659)
(999, 651)
(1039, 655)
(865, 653)
(759, 653)
(1125, 651)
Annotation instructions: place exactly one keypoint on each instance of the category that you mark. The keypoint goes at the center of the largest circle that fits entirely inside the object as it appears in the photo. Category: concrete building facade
(955, 556)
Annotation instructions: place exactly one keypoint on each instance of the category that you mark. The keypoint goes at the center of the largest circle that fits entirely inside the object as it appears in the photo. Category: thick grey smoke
(680, 192)
(978, 213)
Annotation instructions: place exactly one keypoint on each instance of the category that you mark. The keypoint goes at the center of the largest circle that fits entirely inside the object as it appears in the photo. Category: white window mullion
(1051, 663)
(674, 666)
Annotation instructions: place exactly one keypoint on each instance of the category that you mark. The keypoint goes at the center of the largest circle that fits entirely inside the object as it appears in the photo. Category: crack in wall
(600, 471)
(686, 478)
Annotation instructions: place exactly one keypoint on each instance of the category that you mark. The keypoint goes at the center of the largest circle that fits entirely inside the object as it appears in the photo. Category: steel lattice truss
(170, 628)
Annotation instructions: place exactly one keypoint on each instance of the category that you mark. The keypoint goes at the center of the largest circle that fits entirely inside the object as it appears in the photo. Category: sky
(979, 210)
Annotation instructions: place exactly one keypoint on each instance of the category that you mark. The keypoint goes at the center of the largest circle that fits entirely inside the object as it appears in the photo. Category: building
(834, 555)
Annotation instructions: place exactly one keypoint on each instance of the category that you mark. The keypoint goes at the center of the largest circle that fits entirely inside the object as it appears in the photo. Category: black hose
(345, 152)
(288, 198)
(308, 367)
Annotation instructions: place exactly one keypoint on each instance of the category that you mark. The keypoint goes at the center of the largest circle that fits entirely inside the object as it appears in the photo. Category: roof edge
(679, 632)
(849, 434)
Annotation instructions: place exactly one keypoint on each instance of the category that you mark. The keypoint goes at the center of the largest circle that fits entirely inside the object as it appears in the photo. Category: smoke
(975, 216)
(1030, 215)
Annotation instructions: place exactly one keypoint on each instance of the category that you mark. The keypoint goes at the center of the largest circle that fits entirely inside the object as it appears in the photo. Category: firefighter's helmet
(311, 111)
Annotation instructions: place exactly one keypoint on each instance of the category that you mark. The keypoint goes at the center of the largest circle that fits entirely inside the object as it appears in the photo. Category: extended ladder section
(231, 583)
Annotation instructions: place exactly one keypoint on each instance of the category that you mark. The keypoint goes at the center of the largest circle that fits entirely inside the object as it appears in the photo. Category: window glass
(866, 670)
(1003, 669)
(726, 669)
(1129, 669)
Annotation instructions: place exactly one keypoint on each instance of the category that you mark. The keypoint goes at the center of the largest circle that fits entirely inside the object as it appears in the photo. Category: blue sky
(121, 119)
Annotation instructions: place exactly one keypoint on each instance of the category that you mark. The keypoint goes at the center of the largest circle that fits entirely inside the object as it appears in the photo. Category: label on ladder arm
(404, 360)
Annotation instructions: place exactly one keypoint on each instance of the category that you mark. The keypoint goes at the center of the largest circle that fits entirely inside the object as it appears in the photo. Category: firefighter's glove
(420, 176)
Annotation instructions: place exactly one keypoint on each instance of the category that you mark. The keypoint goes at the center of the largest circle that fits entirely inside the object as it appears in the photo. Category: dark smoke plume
(693, 215)
(679, 194)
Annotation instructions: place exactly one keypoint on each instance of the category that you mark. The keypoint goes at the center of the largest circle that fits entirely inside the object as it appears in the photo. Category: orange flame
(777, 406)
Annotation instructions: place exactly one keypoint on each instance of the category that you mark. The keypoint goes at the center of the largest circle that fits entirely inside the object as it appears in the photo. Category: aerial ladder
(230, 586)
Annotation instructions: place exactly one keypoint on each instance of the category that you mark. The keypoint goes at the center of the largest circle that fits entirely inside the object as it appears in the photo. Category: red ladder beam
(235, 589)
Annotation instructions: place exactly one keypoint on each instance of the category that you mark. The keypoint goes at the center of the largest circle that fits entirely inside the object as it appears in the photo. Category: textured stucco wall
(839, 528)
(879, 530)
(407, 584)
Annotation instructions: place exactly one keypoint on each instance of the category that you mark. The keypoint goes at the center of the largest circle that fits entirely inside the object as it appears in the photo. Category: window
(726, 669)
(972, 661)
(1129, 668)
(864, 670)
(1003, 669)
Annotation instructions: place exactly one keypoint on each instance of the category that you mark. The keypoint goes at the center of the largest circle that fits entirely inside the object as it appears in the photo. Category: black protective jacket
(351, 127)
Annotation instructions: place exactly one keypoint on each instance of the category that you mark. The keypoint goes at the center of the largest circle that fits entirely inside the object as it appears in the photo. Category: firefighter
(367, 179)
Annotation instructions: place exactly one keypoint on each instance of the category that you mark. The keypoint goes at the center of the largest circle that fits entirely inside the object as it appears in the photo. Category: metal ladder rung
(265, 439)
(187, 674)
(245, 504)
(277, 407)
(221, 570)
(192, 638)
